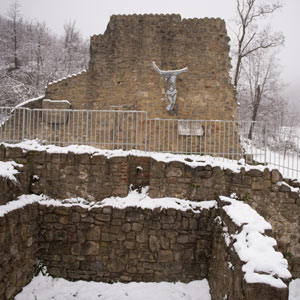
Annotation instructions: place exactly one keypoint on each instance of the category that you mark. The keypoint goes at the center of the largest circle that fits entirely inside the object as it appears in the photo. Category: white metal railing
(115, 129)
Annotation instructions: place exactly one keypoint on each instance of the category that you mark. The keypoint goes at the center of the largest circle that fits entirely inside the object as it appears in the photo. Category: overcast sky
(92, 16)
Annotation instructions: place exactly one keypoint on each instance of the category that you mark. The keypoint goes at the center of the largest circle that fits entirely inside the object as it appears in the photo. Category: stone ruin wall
(120, 74)
(132, 244)
(97, 177)
(121, 77)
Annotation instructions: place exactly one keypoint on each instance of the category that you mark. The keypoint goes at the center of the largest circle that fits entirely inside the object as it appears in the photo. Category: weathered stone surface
(101, 81)
(91, 248)
(136, 236)
(275, 176)
(165, 256)
(93, 234)
(154, 244)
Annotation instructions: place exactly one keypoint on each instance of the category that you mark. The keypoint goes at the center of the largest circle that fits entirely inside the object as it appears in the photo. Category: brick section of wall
(18, 249)
(121, 76)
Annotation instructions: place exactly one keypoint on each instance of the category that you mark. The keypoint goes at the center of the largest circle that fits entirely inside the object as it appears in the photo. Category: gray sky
(92, 16)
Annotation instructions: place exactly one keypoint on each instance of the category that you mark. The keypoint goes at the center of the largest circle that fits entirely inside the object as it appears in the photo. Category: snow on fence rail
(116, 129)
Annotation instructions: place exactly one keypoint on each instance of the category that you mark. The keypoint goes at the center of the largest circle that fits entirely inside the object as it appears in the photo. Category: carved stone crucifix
(170, 77)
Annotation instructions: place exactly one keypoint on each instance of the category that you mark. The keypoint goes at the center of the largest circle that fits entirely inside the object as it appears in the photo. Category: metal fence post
(265, 141)
(146, 129)
(23, 125)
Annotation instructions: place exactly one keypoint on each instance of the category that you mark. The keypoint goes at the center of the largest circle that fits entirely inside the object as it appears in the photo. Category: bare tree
(260, 88)
(14, 16)
(249, 37)
(71, 43)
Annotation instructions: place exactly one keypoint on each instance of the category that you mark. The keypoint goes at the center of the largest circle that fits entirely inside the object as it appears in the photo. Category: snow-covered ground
(294, 290)
(288, 164)
(46, 288)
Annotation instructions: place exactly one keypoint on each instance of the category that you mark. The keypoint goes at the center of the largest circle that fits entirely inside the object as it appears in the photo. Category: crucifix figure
(170, 77)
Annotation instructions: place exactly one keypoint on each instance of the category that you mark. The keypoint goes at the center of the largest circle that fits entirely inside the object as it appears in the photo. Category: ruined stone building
(120, 74)
(127, 101)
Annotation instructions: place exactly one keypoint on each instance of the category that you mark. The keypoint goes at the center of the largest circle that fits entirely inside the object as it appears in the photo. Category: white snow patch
(143, 201)
(20, 203)
(230, 265)
(293, 189)
(56, 101)
(133, 199)
(29, 100)
(69, 76)
(262, 263)
(46, 287)
(191, 160)
(7, 169)
(294, 289)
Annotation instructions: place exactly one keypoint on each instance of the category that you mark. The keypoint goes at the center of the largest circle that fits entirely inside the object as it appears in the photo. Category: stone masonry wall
(96, 177)
(279, 205)
(18, 249)
(121, 76)
(11, 189)
(69, 175)
(132, 244)
(225, 271)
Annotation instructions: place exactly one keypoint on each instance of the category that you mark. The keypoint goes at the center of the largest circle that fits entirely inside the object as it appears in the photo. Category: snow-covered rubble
(263, 264)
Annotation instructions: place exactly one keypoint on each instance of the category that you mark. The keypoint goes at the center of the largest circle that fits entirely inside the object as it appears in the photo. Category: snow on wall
(263, 264)
(8, 169)
(190, 160)
(133, 199)
(57, 101)
(29, 101)
(69, 76)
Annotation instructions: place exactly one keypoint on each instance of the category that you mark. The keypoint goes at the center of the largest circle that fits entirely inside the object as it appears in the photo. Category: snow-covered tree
(32, 56)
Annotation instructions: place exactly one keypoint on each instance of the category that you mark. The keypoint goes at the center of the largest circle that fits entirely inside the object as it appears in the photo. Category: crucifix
(170, 77)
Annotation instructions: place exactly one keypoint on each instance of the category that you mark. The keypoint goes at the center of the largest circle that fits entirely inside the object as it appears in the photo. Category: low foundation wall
(131, 244)
(95, 177)
(134, 244)
(18, 249)
(109, 244)
(265, 191)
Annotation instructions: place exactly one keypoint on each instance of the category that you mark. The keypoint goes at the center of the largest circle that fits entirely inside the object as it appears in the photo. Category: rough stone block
(165, 256)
